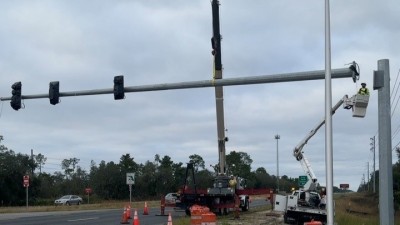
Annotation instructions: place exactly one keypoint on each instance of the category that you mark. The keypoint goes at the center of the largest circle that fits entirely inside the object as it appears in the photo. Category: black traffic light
(119, 92)
(54, 92)
(16, 95)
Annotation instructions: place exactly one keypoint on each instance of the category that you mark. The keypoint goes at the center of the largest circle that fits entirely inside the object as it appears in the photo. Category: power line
(395, 83)
(394, 109)
(393, 99)
(396, 132)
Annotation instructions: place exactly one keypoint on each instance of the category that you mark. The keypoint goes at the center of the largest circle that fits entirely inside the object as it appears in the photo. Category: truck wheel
(246, 206)
(187, 211)
(285, 219)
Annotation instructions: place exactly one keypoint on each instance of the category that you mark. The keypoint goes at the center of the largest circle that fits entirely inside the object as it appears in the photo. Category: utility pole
(365, 189)
(277, 137)
(368, 176)
(32, 161)
(373, 175)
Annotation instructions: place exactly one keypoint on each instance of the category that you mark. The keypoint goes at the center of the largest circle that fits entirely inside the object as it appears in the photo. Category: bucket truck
(304, 205)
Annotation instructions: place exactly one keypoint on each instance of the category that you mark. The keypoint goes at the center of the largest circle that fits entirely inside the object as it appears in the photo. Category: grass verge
(103, 205)
(358, 208)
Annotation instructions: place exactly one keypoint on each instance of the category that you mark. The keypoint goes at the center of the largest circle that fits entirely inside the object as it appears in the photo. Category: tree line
(108, 179)
(369, 185)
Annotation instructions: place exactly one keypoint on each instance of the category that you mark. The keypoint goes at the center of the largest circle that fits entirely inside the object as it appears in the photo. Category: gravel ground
(258, 218)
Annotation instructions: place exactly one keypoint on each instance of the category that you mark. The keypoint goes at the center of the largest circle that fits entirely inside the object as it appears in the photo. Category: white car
(68, 200)
(171, 198)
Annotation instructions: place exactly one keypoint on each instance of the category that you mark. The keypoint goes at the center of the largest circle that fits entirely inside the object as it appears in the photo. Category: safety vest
(363, 91)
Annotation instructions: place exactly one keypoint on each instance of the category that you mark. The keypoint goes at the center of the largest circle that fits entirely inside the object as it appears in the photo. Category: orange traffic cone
(124, 219)
(128, 212)
(135, 219)
(146, 210)
(169, 219)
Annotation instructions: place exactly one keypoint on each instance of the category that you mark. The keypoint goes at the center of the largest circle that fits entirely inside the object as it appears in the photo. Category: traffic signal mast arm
(261, 79)
(358, 104)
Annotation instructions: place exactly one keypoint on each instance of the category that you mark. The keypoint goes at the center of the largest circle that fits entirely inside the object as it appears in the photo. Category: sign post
(88, 191)
(26, 185)
(130, 180)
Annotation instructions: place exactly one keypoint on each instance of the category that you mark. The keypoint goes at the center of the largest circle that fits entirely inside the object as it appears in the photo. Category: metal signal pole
(328, 118)
(386, 206)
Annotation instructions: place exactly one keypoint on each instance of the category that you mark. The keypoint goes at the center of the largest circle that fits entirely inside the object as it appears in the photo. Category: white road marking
(92, 218)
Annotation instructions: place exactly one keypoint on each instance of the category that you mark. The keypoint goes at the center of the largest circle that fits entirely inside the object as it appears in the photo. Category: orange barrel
(205, 209)
(312, 222)
(208, 218)
(195, 214)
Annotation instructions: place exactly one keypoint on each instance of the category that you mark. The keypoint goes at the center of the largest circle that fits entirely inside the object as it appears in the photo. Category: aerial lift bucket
(360, 105)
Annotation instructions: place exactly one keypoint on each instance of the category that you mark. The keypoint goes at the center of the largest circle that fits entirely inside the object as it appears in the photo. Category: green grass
(103, 205)
(363, 206)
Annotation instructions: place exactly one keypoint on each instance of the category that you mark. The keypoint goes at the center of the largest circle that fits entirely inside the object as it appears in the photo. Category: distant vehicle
(171, 198)
(68, 200)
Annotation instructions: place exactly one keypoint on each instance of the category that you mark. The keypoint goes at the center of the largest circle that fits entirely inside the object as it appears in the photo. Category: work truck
(308, 203)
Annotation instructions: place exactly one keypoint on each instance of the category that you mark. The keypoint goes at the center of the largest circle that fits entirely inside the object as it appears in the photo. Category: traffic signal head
(119, 92)
(16, 95)
(54, 92)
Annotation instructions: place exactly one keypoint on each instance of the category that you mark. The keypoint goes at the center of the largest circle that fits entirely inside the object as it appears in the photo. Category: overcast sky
(84, 44)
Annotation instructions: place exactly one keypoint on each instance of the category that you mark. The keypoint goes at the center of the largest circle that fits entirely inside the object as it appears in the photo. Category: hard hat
(363, 84)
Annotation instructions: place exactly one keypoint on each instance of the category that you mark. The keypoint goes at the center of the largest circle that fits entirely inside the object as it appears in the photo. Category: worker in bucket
(363, 90)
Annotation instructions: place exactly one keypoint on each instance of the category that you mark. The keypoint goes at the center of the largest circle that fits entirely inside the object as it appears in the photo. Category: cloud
(152, 42)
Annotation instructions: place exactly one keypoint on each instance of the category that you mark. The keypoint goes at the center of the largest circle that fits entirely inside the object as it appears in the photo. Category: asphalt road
(87, 217)
(94, 217)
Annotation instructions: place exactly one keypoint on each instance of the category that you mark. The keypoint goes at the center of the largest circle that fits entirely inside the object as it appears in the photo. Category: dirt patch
(267, 217)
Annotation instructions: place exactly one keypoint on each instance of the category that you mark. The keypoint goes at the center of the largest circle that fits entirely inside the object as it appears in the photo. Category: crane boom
(219, 93)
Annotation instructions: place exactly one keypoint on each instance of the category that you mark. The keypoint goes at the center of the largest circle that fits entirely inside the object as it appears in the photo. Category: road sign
(130, 178)
(88, 190)
(26, 181)
(303, 180)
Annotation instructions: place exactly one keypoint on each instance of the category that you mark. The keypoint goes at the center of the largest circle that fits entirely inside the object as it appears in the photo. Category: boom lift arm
(358, 103)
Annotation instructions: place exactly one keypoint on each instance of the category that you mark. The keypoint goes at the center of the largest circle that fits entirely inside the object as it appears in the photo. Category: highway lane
(87, 217)
(95, 217)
